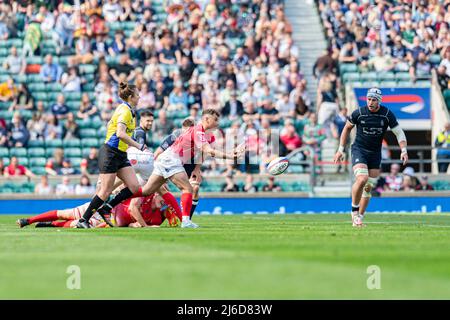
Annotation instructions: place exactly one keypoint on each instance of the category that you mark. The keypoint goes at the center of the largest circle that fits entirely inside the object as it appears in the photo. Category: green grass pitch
(233, 257)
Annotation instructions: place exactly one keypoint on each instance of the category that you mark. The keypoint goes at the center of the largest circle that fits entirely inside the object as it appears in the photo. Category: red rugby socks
(44, 217)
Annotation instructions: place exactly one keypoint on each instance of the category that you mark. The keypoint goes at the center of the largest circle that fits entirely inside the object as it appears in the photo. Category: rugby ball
(278, 166)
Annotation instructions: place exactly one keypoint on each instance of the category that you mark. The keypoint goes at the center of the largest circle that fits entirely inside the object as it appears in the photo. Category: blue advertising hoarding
(224, 206)
(408, 104)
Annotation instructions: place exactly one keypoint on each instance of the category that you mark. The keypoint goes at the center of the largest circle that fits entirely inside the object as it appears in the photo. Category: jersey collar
(131, 109)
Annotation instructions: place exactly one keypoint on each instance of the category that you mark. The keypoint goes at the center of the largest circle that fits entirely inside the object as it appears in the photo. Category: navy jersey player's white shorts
(362, 156)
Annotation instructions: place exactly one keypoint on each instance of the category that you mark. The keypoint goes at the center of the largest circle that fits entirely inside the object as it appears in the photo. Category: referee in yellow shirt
(112, 158)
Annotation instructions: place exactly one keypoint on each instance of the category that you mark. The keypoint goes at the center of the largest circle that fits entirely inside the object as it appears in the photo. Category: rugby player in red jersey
(169, 165)
(148, 211)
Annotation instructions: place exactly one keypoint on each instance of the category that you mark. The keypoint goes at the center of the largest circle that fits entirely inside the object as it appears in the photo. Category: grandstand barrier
(269, 203)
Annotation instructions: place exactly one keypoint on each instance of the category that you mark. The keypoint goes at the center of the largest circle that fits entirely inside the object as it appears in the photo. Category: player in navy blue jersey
(371, 121)
(192, 169)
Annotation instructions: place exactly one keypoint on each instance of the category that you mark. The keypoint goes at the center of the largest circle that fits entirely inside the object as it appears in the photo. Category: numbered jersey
(371, 127)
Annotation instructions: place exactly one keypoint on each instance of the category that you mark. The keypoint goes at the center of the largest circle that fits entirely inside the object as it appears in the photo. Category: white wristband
(341, 149)
(404, 150)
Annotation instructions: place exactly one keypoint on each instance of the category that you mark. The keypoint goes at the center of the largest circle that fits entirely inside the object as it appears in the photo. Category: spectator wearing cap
(233, 108)
(14, 169)
(67, 168)
(409, 171)
(423, 184)
(50, 71)
(442, 144)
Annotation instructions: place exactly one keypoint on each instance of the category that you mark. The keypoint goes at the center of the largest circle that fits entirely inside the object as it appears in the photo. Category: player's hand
(143, 147)
(404, 157)
(338, 157)
(239, 151)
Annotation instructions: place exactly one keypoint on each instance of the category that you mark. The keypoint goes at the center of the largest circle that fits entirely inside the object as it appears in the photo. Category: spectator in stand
(87, 109)
(8, 90)
(89, 165)
(71, 81)
(202, 54)
(290, 138)
(230, 185)
(394, 180)
(67, 168)
(249, 186)
(407, 184)
(233, 108)
(36, 126)
(381, 62)
(285, 107)
(18, 133)
(421, 67)
(442, 144)
(313, 135)
(50, 72)
(271, 186)
(43, 187)
(53, 129)
(71, 129)
(60, 109)
(178, 99)
(324, 64)
(14, 169)
(13, 63)
(118, 45)
(327, 101)
(424, 185)
(163, 127)
(23, 99)
(123, 67)
(64, 188)
(84, 187)
(3, 134)
(443, 78)
(64, 26)
(55, 164)
(409, 171)
(83, 52)
(33, 36)
(147, 98)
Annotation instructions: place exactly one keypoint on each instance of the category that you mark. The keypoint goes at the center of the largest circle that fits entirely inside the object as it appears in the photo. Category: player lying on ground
(140, 212)
(169, 165)
(371, 124)
(192, 169)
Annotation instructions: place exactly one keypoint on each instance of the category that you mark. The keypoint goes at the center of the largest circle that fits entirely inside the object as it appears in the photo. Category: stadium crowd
(62, 64)
(391, 36)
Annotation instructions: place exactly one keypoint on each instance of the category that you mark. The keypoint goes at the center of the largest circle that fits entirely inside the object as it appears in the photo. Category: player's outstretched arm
(338, 157)
(135, 213)
(236, 153)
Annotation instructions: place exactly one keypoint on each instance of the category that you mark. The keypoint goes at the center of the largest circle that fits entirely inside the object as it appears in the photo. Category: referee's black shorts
(111, 160)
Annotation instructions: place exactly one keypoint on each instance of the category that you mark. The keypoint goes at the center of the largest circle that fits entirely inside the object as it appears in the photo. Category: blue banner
(257, 205)
(405, 103)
